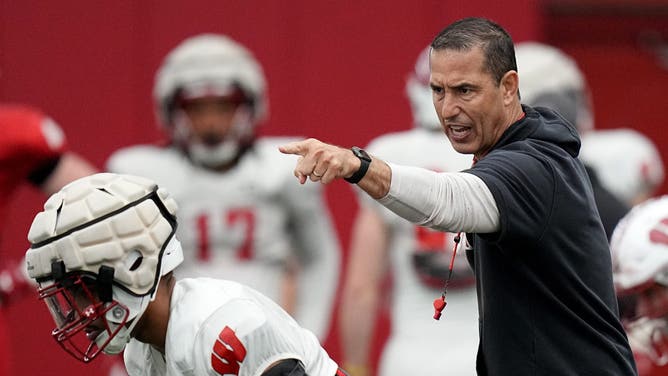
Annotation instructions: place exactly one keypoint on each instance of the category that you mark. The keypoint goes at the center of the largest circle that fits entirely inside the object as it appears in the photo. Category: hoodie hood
(552, 129)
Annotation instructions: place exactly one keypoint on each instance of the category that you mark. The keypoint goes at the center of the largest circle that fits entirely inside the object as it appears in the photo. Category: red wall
(336, 71)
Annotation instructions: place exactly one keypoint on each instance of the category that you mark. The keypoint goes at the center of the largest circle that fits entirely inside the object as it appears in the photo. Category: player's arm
(289, 289)
(318, 253)
(445, 201)
(361, 290)
(69, 167)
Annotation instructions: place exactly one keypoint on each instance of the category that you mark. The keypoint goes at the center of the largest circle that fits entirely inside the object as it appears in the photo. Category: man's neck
(152, 326)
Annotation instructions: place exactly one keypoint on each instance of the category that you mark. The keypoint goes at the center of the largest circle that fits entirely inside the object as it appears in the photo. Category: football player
(640, 264)
(417, 258)
(550, 78)
(104, 251)
(633, 175)
(241, 217)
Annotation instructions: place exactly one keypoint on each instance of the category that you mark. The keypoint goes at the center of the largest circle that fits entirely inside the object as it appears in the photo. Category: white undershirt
(447, 201)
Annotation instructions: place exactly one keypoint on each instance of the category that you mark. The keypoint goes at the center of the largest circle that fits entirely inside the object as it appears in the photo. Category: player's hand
(15, 283)
(321, 162)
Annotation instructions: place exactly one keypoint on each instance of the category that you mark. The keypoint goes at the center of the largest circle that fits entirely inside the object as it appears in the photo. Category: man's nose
(212, 120)
(448, 108)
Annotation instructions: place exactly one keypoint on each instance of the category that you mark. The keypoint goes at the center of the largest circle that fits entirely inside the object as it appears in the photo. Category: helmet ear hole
(134, 260)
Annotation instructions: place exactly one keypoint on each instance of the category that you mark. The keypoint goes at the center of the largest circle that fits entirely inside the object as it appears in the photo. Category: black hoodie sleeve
(523, 188)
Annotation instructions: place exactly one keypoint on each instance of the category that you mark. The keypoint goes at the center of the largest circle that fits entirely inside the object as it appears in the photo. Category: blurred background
(336, 70)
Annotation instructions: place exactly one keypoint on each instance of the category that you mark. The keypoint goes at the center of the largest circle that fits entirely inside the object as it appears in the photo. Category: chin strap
(117, 344)
(440, 303)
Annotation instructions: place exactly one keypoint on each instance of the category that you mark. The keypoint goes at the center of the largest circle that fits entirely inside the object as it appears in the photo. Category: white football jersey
(244, 223)
(418, 344)
(219, 327)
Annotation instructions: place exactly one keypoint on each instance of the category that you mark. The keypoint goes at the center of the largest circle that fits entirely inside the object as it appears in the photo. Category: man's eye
(436, 90)
(464, 90)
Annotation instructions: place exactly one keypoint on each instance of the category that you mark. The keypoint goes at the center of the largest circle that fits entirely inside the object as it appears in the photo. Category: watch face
(360, 153)
(365, 161)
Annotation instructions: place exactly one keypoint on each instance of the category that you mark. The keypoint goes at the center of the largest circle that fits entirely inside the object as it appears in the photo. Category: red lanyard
(440, 303)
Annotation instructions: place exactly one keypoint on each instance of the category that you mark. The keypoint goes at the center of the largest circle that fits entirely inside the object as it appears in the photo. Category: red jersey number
(243, 218)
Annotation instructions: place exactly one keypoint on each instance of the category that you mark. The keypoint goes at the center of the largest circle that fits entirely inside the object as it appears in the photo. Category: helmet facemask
(644, 312)
(80, 311)
(215, 149)
(650, 337)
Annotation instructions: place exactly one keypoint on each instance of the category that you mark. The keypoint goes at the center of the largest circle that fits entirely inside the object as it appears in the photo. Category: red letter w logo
(228, 353)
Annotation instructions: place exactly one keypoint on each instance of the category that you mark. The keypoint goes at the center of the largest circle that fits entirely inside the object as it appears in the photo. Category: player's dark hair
(496, 43)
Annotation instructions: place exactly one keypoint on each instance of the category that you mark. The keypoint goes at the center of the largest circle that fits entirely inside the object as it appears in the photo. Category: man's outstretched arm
(325, 163)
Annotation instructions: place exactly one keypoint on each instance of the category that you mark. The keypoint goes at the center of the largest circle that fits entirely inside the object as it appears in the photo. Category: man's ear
(510, 85)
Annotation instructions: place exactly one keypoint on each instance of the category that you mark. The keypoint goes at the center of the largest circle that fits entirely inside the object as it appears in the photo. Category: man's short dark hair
(496, 43)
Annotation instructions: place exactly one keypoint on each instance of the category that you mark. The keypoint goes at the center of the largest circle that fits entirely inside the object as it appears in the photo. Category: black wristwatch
(365, 161)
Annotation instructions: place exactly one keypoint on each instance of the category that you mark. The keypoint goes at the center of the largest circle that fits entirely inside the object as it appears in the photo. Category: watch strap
(365, 161)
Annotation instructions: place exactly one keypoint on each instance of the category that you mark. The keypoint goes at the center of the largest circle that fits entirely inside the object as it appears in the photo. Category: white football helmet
(626, 162)
(649, 338)
(419, 94)
(639, 247)
(210, 65)
(98, 251)
(550, 78)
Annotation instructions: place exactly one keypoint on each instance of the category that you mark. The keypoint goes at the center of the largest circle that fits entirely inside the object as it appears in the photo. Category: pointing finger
(293, 148)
